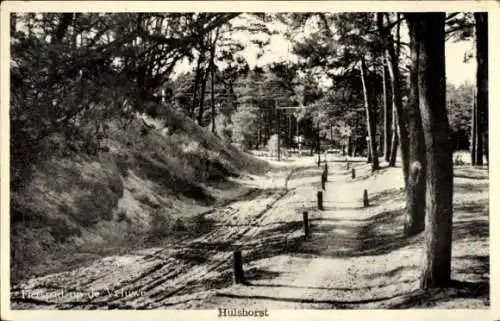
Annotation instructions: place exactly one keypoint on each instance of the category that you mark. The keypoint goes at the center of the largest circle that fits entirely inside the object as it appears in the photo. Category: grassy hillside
(151, 182)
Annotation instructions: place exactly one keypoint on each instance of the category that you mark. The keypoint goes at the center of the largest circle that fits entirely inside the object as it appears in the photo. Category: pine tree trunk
(479, 136)
(395, 139)
(474, 131)
(212, 78)
(317, 138)
(266, 129)
(387, 113)
(370, 117)
(481, 19)
(259, 130)
(212, 94)
(331, 136)
(194, 101)
(415, 189)
(201, 108)
(400, 113)
(349, 148)
(436, 269)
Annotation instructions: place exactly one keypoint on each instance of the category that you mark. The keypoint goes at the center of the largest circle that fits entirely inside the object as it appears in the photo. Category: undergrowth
(68, 211)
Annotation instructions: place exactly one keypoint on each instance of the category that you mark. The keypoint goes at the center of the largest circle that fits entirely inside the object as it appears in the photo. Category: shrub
(179, 225)
(223, 127)
(161, 224)
(97, 205)
(121, 216)
(244, 122)
(122, 165)
(61, 229)
(148, 200)
(28, 249)
(458, 160)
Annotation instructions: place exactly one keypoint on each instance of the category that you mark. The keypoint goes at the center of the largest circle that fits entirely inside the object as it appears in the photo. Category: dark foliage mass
(73, 72)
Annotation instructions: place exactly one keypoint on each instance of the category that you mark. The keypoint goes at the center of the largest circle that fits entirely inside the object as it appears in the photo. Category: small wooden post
(353, 173)
(238, 267)
(365, 199)
(326, 171)
(305, 215)
(348, 165)
(323, 180)
(320, 200)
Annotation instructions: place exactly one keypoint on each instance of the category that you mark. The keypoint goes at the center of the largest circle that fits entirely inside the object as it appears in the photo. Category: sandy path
(322, 280)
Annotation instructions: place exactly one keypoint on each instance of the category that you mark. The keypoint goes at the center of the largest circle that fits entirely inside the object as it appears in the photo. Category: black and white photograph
(246, 161)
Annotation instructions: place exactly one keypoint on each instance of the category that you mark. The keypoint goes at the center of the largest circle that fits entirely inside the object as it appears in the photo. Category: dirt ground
(354, 258)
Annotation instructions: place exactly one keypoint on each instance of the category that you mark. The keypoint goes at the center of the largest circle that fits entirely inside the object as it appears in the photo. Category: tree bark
(212, 94)
(317, 138)
(278, 132)
(197, 79)
(387, 112)
(436, 269)
(212, 74)
(394, 141)
(370, 117)
(201, 108)
(479, 136)
(415, 189)
(259, 130)
(473, 130)
(481, 19)
(402, 117)
(331, 136)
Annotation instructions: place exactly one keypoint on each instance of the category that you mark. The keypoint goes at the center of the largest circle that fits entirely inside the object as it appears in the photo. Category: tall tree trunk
(474, 130)
(394, 140)
(259, 130)
(436, 269)
(317, 138)
(212, 74)
(331, 136)
(481, 19)
(197, 81)
(201, 108)
(370, 117)
(415, 189)
(278, 132)
(402, 117)
(268, 126)
(368, 152)
(387, 112)
(479, 136)
(212, 94)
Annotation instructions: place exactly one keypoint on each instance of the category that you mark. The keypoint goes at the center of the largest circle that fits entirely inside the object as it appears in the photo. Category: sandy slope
(355, 257)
